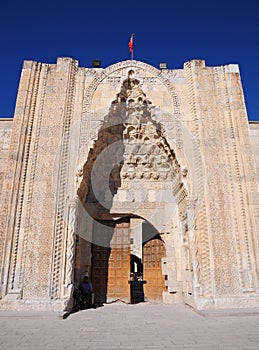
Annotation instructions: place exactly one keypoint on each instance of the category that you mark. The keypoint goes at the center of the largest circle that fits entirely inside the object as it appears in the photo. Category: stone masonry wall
(59, 111)
(218, 110)
(5, 135)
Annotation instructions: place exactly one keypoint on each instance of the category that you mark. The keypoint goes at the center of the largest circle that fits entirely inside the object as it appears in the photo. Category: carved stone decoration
(131, 65)
(34, 155)
(72, 229)
(72, 226)
(13, 283)
(95, 147)
(201, 239)
(131, 167)
(144, 152)
(61, 208)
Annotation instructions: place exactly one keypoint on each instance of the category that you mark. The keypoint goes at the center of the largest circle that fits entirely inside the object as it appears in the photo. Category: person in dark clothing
(77, 298)
(86, 289)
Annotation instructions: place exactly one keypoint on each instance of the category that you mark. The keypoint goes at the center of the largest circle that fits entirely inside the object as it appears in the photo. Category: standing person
(77, 298)
(86, 288)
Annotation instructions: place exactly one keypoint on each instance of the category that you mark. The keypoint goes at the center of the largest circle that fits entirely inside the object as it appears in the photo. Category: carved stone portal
(130, 153)
(129, 172)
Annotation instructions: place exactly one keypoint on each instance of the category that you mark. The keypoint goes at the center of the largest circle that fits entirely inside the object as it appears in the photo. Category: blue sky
(220, 32)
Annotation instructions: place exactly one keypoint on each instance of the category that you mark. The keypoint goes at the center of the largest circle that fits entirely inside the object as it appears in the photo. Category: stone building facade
(129, 171)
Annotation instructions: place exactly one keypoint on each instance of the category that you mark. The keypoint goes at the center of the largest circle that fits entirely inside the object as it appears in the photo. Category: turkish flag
(130, 44)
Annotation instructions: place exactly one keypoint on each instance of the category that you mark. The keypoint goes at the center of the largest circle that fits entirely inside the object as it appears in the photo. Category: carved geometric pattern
(26, 152)
(71, 238)
(34, 156)
(145, 155)
(231, 158)
(99, 77)
(227, 245)
(247, 279)
(62, 186)
(201, 241)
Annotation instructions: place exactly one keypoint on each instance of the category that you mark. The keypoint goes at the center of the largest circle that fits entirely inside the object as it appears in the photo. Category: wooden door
(103, 232)
(119, 263)
(100, 257)
(153, 252)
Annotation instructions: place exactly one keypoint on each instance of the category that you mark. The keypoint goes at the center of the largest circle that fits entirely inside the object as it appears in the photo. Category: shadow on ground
(75, 310)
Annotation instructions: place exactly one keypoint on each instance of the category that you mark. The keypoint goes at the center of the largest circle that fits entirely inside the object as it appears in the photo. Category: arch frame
(183, 189)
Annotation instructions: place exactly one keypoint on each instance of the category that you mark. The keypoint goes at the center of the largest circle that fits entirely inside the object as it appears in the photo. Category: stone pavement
(142, 326)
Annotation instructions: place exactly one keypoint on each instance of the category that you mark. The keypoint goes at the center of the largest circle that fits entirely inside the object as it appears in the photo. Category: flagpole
(132, 53)
(131, 46)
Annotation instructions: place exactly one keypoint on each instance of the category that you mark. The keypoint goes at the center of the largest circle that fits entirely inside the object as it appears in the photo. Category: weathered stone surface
(5, 135)
(171, 150)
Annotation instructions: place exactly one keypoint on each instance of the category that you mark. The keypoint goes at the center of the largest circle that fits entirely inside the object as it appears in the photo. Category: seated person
(86, 289)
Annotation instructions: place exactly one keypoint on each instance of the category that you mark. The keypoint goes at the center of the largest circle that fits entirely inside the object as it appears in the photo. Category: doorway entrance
(115, 264)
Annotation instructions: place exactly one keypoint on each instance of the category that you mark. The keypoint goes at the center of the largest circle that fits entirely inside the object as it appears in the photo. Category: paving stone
(121, 327)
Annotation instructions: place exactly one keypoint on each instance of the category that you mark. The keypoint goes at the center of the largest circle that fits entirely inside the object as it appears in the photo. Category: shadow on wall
(102, 174)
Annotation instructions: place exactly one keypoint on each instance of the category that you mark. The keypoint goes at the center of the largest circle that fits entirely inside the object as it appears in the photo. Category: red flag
(130, 44)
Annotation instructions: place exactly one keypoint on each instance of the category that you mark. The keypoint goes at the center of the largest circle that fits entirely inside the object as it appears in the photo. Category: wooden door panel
(100, 256)
(102, 232)
(153, 252)
(119, 263)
